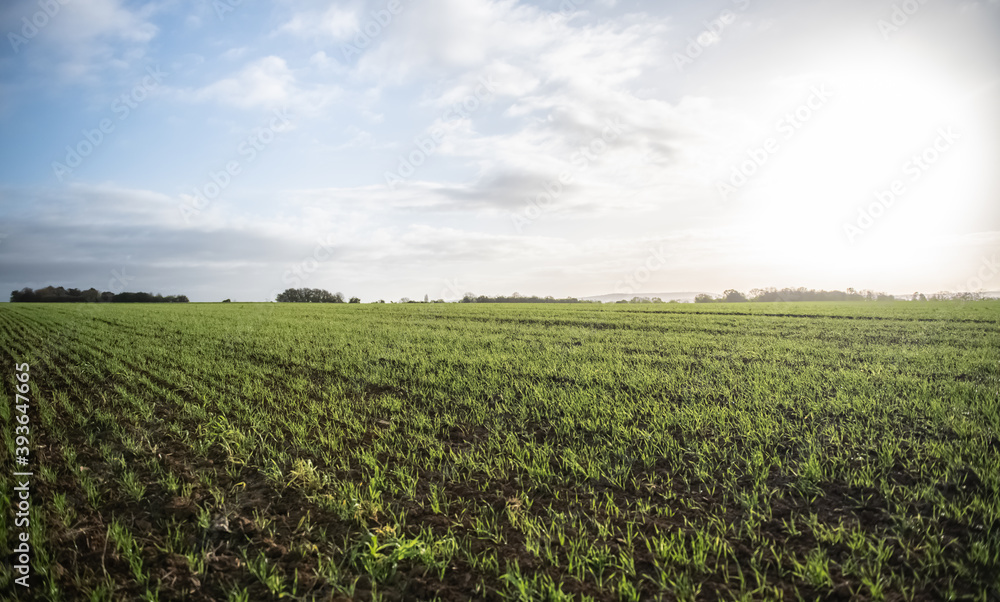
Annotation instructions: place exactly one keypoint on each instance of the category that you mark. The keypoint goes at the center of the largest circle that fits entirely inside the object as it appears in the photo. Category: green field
(464, 451)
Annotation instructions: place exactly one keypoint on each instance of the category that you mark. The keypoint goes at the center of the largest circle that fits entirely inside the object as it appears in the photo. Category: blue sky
(225, 149)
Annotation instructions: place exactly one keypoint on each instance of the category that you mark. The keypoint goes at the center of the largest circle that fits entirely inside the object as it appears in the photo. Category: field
(504, 452)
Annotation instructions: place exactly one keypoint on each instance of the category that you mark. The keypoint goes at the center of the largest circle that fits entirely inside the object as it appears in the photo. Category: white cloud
(337, 22)
(234, 53)
(362, 139)
(441, 36)
(83, 39)
(556, 84)
(266, 83)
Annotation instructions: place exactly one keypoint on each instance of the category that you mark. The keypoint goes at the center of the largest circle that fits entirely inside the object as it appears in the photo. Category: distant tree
(355, 300)
(51, 294)
(227, 301)
(765, 295)
(515, 298)
(704, 298)
(772, 295)
(25, 295)
(733, 296)
(427, 299)
(309, 295)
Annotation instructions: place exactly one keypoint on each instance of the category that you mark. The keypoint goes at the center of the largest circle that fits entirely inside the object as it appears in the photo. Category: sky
(402, 148)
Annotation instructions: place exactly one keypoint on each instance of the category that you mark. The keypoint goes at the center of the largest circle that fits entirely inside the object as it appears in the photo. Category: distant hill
(984, 294)
(614, 297)
(689, 297)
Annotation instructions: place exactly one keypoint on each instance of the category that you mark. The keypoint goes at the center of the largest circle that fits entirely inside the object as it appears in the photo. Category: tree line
(773, 295)
(317, 295)
(52, 294)
(312, 295)
(59, 294)
(516, 298)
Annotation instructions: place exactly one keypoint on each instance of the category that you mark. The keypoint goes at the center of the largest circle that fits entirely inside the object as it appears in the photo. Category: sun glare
(896, 137)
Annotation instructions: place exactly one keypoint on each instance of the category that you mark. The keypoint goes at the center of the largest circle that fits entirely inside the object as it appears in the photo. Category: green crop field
(506, 452)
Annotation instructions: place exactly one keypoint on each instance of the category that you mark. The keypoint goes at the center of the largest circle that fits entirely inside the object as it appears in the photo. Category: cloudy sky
(391, 148)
